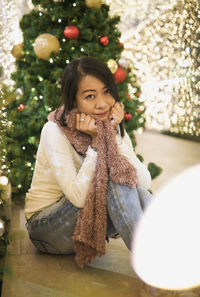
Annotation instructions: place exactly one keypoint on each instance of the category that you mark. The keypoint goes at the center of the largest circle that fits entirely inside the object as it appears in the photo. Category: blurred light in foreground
(166, 247)
(3, 180)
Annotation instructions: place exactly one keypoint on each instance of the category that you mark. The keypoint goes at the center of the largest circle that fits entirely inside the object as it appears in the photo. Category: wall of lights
(163, 43)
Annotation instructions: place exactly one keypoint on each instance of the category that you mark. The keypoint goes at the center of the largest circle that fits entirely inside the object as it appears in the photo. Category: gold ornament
(93, 3)
(112, 65)
(45, 44)
(17, 51)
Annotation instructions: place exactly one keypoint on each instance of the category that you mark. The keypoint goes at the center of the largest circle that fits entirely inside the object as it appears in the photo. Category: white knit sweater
(61, 170)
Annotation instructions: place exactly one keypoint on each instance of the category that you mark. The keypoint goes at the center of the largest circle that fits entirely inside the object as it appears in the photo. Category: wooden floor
(38, 275)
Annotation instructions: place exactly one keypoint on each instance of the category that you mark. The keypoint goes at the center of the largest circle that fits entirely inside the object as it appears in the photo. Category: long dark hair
(74, 72)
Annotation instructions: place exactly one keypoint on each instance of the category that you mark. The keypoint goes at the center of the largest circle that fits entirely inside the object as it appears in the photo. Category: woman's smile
(102, 114)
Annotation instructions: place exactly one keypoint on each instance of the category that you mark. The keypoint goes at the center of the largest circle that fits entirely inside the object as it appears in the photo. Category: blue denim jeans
(52, 228)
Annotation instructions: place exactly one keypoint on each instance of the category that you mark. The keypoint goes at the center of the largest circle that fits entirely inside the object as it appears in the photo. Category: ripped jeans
(52, 228)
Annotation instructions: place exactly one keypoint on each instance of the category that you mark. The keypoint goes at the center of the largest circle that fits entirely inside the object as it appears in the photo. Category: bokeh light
(165, 251)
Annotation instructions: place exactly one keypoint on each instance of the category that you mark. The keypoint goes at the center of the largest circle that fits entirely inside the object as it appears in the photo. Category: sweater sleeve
(126, 149)
(74, 182)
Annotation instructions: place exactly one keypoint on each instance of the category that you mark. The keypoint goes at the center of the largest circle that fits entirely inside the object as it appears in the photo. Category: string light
(3, 125)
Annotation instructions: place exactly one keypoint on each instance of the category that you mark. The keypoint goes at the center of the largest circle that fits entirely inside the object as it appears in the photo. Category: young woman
(88, 184)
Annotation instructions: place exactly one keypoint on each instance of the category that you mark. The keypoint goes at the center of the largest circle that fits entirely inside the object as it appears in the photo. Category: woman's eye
(107, 91)
(90, 96)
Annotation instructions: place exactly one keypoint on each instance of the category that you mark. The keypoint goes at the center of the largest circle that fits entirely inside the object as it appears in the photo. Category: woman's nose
(101, 103)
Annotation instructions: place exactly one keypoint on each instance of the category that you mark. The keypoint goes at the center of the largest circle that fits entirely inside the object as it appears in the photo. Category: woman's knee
(53, 248)
(124, 209)
(123, 199)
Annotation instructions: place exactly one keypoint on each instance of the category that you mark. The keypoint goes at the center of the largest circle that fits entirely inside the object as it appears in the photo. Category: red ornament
(128, 116)
(120, 75)
(104, 40)
(71, 32)
(138, 93)
(139, 110)
(128, 96)
(21, 107)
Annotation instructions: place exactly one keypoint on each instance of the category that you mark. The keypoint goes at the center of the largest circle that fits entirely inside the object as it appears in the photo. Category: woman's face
(93, 98)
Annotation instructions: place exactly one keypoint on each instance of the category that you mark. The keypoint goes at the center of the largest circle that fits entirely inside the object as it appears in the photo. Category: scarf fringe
(87, 255)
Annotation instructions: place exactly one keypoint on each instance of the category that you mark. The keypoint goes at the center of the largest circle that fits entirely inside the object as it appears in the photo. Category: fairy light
(2, 227)
(3, 180)
(40, 78)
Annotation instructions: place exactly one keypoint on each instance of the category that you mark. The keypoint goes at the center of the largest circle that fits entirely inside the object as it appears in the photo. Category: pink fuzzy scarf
(90, 232)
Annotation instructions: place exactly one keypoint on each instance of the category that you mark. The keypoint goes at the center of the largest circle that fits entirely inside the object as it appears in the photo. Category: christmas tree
(55, 33)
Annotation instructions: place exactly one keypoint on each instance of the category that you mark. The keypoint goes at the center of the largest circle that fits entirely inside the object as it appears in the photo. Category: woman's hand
(116, 114)
(87, 124)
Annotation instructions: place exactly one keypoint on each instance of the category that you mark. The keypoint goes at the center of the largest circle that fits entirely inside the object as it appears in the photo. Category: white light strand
(11, 12)
(8, 21)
